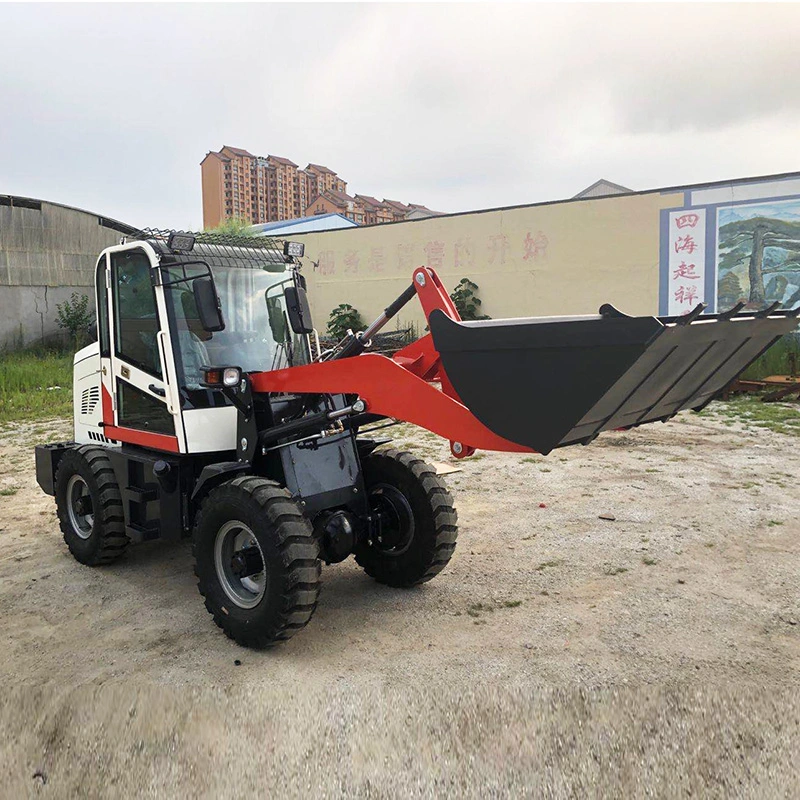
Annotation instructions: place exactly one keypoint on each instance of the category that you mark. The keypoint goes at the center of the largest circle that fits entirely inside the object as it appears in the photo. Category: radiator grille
(89, 400)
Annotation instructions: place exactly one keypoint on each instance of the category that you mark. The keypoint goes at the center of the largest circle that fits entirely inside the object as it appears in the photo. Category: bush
(466, 301)
(782, 358)
(343, 318)
(74, 317)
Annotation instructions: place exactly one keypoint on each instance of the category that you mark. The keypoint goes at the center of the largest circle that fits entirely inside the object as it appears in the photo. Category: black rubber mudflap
(550, 382)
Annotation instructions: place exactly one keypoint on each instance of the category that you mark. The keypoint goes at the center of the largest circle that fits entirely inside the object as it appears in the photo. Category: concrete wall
(558, 258)
(47, 251)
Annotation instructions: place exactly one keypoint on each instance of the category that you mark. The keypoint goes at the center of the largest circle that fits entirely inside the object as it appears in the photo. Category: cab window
(135, 317)
(102, 308)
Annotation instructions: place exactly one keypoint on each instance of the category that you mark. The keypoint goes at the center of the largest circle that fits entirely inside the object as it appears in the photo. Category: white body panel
(209, 430)
(87, 403)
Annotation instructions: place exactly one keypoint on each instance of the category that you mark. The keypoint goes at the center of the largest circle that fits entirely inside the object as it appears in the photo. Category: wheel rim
(232, 539)
(78, 495)
(397, 520)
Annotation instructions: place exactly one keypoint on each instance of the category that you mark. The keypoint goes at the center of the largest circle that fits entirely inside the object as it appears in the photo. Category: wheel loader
(206, 409)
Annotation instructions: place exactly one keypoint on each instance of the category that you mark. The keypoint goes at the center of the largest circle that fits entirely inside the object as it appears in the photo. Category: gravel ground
(559, 655)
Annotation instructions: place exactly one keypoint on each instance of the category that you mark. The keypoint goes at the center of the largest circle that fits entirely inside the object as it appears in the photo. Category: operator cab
(170, 306)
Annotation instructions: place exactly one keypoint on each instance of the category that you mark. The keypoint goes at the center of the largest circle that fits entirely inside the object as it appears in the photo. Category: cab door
(140, 381)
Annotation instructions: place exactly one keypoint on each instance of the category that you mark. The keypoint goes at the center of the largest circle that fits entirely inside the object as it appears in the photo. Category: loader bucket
(553, 381)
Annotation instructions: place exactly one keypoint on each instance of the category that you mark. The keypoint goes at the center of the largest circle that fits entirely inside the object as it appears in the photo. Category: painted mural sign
(738, 243)
(758, 259)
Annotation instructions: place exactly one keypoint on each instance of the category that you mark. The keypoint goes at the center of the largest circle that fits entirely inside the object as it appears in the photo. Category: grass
(751, 411)
(8, 492)
(611, 569)
(776, 360)
(25, 378)
(649, 561)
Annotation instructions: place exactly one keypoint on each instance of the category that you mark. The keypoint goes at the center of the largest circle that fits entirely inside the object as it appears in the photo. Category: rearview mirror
(207, 302)
(298, 309)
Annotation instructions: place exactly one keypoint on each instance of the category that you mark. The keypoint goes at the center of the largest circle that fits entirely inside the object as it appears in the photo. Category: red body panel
(388, 389)
(399, 387)
(155, 441)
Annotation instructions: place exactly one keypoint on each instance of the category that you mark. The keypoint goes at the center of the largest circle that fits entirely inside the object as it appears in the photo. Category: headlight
(215, 377)
(231, 376)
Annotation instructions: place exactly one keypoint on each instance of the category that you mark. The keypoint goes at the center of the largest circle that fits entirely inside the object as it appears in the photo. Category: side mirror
(207, 302)
(277, 319)
(298, 309)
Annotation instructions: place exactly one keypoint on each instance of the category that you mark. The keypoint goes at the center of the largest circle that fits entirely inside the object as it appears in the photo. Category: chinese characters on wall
(687, 260)
(466, 253)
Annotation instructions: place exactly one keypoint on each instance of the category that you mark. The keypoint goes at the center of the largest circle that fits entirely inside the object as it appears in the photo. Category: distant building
(375, 211)
(237, 184)
(330, 201)
(399, 210)
(320, 222)
(420, 212)
(602, 188)
(47, 252)
(325, 180)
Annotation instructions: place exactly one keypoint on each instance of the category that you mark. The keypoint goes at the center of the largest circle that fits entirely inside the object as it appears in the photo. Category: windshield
(257, 335)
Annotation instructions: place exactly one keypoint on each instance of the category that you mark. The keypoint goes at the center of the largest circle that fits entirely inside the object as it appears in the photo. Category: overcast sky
(111, 108)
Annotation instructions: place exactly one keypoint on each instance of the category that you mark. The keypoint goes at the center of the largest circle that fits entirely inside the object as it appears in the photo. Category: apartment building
(238, 184)
(330, 201)
(256, 189)
(375, 211)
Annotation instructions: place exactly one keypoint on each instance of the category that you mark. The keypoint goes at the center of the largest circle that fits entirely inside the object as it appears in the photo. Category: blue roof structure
(319, 222)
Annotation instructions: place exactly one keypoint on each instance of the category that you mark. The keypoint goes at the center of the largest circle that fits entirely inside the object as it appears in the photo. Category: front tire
(89, 506)
(257, 561)
(418, 521)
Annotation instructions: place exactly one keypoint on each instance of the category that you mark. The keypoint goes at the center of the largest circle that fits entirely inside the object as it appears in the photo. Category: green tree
(233, 226)
(466, 301)
(74, 317)
(343, 318)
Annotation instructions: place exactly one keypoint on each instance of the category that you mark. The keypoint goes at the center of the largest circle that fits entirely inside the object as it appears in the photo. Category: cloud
(112, 107)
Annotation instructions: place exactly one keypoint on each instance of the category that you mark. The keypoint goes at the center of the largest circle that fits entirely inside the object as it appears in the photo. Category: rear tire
(420, 522)
(243, 524)
(89, 506)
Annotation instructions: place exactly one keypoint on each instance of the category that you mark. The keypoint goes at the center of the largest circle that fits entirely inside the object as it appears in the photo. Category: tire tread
(444, 517)
(113, 540)
(299, 551)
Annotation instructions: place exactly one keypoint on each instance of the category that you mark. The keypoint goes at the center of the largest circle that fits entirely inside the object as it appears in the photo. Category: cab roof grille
(220, 249)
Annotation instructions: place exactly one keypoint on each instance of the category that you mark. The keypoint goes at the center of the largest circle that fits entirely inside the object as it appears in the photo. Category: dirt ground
(559, 655)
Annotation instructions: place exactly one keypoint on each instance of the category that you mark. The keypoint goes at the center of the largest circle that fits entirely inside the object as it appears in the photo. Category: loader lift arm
(531, 385)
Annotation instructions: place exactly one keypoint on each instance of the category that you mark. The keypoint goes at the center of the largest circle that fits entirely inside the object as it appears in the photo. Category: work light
(294, 249)
(180, 242)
